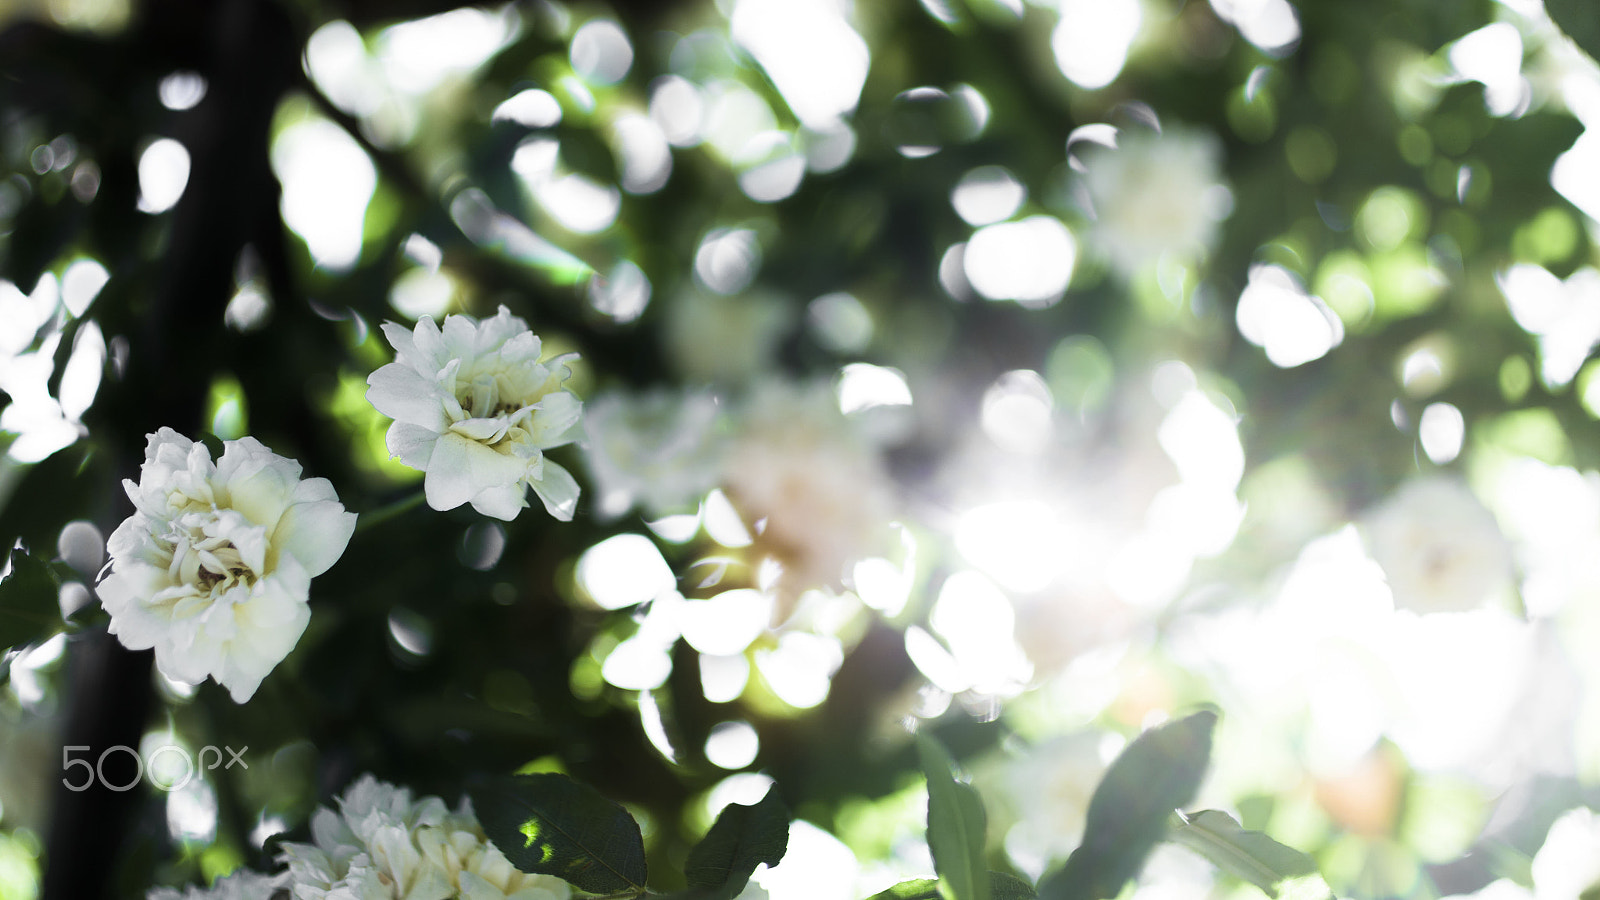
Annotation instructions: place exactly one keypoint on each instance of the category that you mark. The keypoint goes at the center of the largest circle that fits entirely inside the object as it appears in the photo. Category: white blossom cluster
(383, 844)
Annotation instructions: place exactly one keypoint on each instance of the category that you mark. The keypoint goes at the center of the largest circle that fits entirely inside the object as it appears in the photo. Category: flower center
(204, 555)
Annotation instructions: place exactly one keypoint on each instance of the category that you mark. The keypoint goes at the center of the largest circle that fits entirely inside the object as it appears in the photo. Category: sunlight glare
(163, 174)
(1022, 544)
(1092, 40)
(600, 52)
(815, 59)
(1028, 261)
(1276, 314)
(327, 182)
(1441, 431)
(732, 745)
(1492, 56)
(800, 669)
(418, 55)
(978, 624)
(727, 623)
(646, 158)
(864, 386)
(624, 571)
(532, 107)
(1017, 412)
(987, 194)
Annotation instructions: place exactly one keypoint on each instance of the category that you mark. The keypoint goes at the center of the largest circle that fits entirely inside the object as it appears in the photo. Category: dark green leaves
(549, 824)
(1580, 19)
(29, 608)
(552, 825)
(1157, 773)
(742, 838)
(956, 825)
(1249, 855)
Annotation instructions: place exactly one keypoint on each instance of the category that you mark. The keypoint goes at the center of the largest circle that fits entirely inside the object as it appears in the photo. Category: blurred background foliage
(1034, 371)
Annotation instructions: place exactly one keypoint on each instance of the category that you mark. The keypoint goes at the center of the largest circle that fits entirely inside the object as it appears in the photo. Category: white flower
(241, 885)
(214, 567)
(476, 409)
(1440, 548)
(814, 492)
(1043, 796)
(381, 845)
(658, 449)
(1155, 194)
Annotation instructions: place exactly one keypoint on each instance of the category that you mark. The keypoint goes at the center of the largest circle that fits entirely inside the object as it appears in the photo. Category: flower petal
(558, 490)
(411, 444)
(502, 502)
(460, 469)
(314, 533)
(403, 394)
(553, 422)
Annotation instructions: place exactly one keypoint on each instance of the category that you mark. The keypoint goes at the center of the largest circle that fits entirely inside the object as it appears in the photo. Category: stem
(385, 513)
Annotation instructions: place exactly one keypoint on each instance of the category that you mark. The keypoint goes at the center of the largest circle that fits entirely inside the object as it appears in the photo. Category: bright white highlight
(725, 624)
(1492, 55)
(978, 624)
(327, 182)
(163, 174)
(601, 53)
(1028, 261)
(727, 260)
(816, 60)
(533, 108)
(800, 670)
(80, 284)
(1576, 174)
(732, 745)
(624, 571)
(417, 56)
(1092, 40)
(1276, 314)
(1021, 544)
(987, 194)
(1269, 24)
(1441, 431)
(864, 386)
(1565, 316)
(182, 90)
(1017, 412)
(646, 158)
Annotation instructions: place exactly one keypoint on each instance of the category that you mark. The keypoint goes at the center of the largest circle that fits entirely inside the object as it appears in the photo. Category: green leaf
(1249, 855)
(742, 838)
(1580, 20)
(1156, 774)
(551, 825)
(1001, 887)
(29, 606)
(956, 825)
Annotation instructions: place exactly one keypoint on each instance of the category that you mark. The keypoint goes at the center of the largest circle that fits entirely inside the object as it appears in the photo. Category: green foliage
(1001, 887)
(551, 825)
(741, 838)
(956, 825)
(1249, 855)
(1128, 815)
(29, 609)
(1580, 20)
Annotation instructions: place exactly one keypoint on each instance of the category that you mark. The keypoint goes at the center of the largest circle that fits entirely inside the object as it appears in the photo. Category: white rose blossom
(1440, 548)
(214, 568)
(475, 409)
(659, 449)
(381, 844)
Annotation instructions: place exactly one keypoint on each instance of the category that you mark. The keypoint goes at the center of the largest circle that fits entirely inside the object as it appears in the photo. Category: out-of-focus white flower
(381, 844)
(1156, 194)
(727, 339)
(1440, 548)
(476, 409)
(1042, 796)
(241, 885)
(1568, 865)
(658, 449)
(814, 493)
(214, 567)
